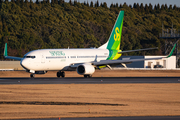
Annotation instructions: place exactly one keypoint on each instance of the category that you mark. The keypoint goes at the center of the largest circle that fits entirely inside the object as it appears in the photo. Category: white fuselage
(61, 59)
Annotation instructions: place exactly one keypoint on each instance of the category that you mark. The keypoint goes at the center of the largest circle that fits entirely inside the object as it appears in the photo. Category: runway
(118, 118)
(93, 80)
(97, 80)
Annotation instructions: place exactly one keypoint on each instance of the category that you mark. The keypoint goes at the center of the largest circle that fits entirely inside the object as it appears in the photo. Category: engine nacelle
(85, 69)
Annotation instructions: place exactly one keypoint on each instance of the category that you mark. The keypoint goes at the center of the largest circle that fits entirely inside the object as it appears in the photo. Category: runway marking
(95, 80)
(59, 103)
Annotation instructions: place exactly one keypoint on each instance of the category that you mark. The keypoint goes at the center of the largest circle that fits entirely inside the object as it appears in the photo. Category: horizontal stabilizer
(137, 50)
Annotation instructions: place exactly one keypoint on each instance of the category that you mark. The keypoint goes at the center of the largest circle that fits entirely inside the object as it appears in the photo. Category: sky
(153, 2)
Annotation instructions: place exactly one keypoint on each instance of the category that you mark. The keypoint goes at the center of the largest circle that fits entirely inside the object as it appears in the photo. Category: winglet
(5, 50)
(170, 54)
(10, 57)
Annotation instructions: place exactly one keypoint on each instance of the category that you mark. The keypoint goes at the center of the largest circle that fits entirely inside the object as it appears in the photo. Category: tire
(63, 74)
(58, 74)
(89, 76)
(32, 75)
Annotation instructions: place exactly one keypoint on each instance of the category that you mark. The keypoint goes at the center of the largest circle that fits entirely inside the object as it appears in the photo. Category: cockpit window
(29, 57)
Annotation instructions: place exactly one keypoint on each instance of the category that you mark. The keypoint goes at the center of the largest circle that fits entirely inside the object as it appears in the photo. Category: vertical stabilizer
(113, 44)
(115, 38)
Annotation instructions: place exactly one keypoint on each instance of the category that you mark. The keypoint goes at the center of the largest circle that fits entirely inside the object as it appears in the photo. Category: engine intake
(85, 69)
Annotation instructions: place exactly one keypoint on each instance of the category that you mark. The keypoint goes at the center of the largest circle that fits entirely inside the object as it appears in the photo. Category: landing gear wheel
(32, 75)
(58, 74)
(87, 76)
(61, 74)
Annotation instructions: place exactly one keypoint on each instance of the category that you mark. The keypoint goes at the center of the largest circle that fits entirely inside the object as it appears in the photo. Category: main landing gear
(87, 76)
(61, 74)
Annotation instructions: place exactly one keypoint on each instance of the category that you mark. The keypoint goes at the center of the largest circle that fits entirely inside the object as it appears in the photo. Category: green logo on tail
(117, 35)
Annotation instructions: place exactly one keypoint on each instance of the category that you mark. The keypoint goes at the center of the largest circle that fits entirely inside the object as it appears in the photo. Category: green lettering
(57, 53)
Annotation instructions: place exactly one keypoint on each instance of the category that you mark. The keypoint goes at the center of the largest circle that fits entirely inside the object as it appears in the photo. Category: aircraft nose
(24, 63)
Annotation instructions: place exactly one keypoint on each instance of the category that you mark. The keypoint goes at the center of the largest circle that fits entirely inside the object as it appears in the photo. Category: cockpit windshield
(29, 57)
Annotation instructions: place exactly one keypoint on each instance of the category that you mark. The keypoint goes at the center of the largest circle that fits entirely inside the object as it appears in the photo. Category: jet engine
(85, 69)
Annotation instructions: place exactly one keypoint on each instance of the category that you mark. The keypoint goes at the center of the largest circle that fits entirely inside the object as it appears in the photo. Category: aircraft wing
(10, 57)
(111, 62)
(75, 65)
(14, 58)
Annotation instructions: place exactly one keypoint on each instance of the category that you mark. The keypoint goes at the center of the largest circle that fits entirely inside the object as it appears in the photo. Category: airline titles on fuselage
(57, 53)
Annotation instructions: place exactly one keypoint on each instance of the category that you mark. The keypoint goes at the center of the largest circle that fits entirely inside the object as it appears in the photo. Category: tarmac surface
(97, 80)
(93, 80)
(118, 118)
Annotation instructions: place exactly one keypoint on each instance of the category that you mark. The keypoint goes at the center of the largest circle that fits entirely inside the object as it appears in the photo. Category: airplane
(82, 60)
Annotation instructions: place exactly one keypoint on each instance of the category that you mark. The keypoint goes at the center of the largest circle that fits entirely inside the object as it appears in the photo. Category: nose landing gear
(61, 74)
(87, 76)
(32, 75)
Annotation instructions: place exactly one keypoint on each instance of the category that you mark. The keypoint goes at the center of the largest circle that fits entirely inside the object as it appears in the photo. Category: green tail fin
(115, 37)
(113, 44)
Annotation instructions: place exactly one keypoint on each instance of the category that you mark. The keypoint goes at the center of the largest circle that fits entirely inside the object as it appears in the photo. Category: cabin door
(42, 58)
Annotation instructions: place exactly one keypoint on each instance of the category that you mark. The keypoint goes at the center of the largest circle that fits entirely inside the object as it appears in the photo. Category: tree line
(27, 25)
